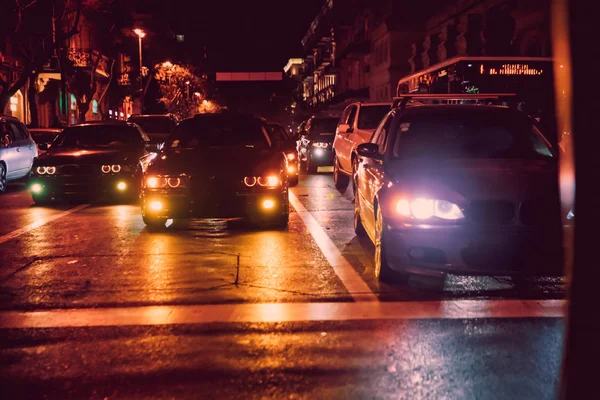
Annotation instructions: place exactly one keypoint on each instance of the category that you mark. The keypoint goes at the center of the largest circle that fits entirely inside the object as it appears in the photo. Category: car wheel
(383, 272)
(40, 199)
(154, 223)
(2, 178)
(340, 179)
(359, 228)
(292, 182)
(311, 167)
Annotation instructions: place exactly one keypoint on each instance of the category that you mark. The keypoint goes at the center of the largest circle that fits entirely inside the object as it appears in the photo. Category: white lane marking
(283, 312)
(39, 223)
(355, 285)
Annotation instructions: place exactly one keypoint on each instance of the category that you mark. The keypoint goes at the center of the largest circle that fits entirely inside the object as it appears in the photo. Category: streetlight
(188, 89)
(140, 34)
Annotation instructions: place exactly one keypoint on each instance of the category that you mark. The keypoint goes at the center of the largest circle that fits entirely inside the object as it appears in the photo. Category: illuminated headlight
(115, 169)
(320, 145)
(423, 209)
(159, 182)
(45, 170)
(264, 181)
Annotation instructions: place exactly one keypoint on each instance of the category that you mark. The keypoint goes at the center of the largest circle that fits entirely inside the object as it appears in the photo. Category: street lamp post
(140, 34)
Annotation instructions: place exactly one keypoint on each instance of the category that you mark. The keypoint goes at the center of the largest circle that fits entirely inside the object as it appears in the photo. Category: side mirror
(344, 128)
(369, 150)
(44, 146)
(152, 147)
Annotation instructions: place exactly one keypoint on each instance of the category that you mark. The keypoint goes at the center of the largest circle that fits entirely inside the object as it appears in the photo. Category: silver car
(17, 151)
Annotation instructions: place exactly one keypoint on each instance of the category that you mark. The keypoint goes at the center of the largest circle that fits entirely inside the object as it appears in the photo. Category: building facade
(360, 49)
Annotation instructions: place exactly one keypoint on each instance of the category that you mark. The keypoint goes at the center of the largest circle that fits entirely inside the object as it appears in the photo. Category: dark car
(315, 143)
(95, 160)
(460, 189)
(286, 142)
(157, 126)
(221, 165)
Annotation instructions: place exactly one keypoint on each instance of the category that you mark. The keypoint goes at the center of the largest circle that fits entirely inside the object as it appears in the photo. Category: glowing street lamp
(140, 34)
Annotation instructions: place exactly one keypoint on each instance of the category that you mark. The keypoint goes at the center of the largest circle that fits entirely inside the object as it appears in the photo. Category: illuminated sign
(511, 69)
(442, 73)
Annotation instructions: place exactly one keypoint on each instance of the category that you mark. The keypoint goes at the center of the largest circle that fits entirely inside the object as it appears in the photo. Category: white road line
(39, 223)
(357, 287)
(283, 312)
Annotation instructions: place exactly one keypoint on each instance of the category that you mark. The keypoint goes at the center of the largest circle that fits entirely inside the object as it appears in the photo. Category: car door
(373, 175)
(348, 143)
(10, 152)
(28, 147)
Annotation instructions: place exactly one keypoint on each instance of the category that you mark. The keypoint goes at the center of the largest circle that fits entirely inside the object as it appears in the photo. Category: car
(17, 151)
(44, 135)
(279, 135)
(219, 165)
(459, 189)
(356, 126)
(95, 160)
(314, 144)
(157, 126)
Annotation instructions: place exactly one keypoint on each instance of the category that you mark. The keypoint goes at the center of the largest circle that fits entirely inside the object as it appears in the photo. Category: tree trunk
(82, 109)
(4, 99)
(31, 97)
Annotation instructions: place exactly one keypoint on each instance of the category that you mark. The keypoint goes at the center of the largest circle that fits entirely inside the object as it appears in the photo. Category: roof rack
(401, 101)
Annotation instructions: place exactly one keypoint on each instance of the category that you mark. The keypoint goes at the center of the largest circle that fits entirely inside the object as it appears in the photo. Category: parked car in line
(17, 151)
(314, 145)
(355, 127)
(459, 189)
(157, 126)
(220, 165)
(285, 142)
(96, 160)
(44, 136)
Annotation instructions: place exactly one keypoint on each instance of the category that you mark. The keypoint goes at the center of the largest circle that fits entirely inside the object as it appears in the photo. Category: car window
(450, 133)
(158, 125)
(382, 133)
(277, 134)
(352, 115)
(98, 136)
(322, 127)
(219, 130)
(18, 134)
(370, 116)
(7, 131)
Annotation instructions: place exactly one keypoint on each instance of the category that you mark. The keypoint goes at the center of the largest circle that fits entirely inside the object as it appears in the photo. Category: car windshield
(158, 125)
(98, 136)
(219, 130)
(323, 127)
(43, 136)
(277, 133)
(370, 116)
(456, 133)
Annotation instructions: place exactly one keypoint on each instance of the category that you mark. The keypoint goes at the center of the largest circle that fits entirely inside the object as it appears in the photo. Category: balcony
(87, 58)
(356, 49)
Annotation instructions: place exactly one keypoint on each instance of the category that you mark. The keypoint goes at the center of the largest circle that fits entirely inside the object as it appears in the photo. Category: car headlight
(264, 181)
(423, 209)
(114, 168)
(320, 145)
(159, 182)
(45, 170)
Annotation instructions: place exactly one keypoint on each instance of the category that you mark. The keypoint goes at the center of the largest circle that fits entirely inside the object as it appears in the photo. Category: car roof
(170, 116)
(428, 109)
(106, 123)
(9, 117)
(365, 104)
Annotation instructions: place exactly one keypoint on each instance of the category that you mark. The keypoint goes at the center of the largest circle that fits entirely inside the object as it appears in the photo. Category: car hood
(461, 181)
(217, 161)
(88, 156)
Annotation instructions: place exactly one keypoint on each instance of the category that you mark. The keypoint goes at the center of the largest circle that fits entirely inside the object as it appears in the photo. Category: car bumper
(256, 206)
(320, 156)
(435, 251)
(106, 186)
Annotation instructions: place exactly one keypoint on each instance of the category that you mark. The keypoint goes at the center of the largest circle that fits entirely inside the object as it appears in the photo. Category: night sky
(258, 35)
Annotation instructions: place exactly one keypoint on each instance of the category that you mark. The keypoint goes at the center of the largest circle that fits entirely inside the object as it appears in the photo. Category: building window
(94, 107)
(180, 38)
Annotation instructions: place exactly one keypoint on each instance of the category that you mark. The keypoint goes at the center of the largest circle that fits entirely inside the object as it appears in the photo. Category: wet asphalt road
(102, 256)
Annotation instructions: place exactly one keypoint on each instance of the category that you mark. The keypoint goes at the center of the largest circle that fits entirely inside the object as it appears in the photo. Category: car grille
(77, 169)
(491, 212)
(539, 212)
